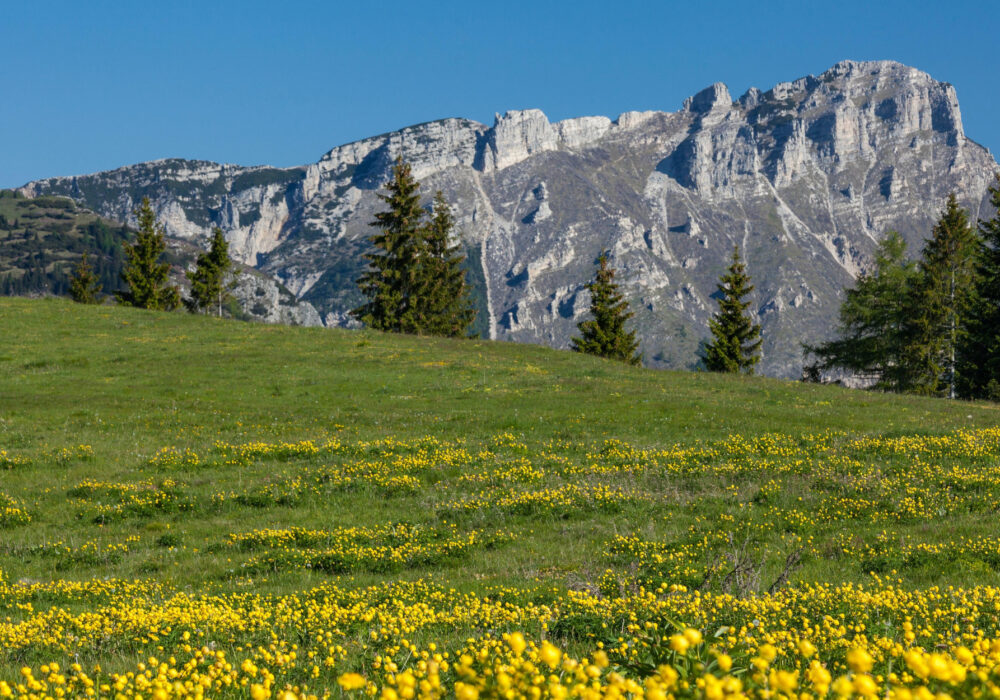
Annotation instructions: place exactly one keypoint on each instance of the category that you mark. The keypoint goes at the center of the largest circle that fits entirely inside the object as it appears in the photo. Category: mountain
(804, 178)
(43, 238)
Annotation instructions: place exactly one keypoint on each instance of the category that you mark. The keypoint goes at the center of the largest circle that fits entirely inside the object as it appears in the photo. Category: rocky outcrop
(804, 177)
(262, 299)
(258, 296)
(518, 135)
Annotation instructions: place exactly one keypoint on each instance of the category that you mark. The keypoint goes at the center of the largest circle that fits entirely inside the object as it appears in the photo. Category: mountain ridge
(805, 177)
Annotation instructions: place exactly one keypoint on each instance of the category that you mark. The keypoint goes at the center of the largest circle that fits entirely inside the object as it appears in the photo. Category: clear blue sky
(94, 85)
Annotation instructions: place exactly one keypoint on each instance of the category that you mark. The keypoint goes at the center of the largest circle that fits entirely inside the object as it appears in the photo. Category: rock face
(804, 178)
(262, 299)
(258, 296)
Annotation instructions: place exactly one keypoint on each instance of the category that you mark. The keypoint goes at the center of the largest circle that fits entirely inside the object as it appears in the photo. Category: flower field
(577, 531)
(771, 566)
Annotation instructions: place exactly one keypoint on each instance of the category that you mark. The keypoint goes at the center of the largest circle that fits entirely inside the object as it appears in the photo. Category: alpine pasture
(207, 508)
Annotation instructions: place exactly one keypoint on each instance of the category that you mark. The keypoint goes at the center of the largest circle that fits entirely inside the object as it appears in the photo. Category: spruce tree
(941, 303)
(145, 276)
(872, 337)
(393, 275)
(979, 352)
(604, 335)
(212, 278)
(442, 302)
(84, 285)
(736, 340)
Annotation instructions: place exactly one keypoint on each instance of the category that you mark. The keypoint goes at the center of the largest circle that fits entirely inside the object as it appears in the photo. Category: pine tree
(736, 340)
(872, 336)
(393, 274)
(605, 334)
(145, 276)
(941, 303)
(441, 300)
(213, 278)
(84, 285)
(979, 352)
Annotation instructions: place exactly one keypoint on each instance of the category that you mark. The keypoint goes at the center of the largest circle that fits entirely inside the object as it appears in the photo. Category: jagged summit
(804, 177)
(714, 98)
(848, 67)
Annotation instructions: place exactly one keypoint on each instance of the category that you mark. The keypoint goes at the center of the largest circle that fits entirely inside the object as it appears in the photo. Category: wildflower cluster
(379, 549)
(12, 512)
(559, 501)
(519, 470)
(247, 453)
(109, 501)
(173, 458)
(311, 482)
(11, 461)
(89, 553)
(65, 455)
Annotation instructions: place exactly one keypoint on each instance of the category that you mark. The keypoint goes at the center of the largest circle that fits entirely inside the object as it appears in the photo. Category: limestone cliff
(805, 177)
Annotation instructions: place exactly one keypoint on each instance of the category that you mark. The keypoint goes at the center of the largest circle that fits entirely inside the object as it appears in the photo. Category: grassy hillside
(375, 500)
(70, 371)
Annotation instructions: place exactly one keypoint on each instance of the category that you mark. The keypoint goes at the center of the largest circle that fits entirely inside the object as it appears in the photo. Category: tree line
(147, 277)
(930, 326)
(415, 282)
(37, 250)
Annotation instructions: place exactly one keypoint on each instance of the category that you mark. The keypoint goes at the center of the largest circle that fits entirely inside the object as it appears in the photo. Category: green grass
(128, 383)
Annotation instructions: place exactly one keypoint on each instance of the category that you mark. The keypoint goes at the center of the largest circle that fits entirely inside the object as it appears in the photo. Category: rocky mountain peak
(750, 99)
(517, 135)
(714, 99)
(804, 177)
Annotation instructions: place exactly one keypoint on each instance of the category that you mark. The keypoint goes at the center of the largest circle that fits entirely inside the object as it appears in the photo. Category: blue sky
(94, 85)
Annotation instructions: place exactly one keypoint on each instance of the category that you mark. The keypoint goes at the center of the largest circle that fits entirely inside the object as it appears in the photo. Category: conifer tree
(941, 303)
(84, 285)
(872, 337)
(393, 274)
(604, 335)
(442, 300)
(145, 275)
(979, 356)
(212, 278)
(736, 340)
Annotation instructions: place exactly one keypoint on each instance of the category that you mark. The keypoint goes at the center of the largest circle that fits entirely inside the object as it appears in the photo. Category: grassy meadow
(196, 507)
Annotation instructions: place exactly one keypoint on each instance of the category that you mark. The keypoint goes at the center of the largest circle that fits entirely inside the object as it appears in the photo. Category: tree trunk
(952, 339)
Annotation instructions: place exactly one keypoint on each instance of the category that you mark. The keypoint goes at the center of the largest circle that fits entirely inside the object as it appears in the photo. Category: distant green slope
(134, 380)
(42, 239)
